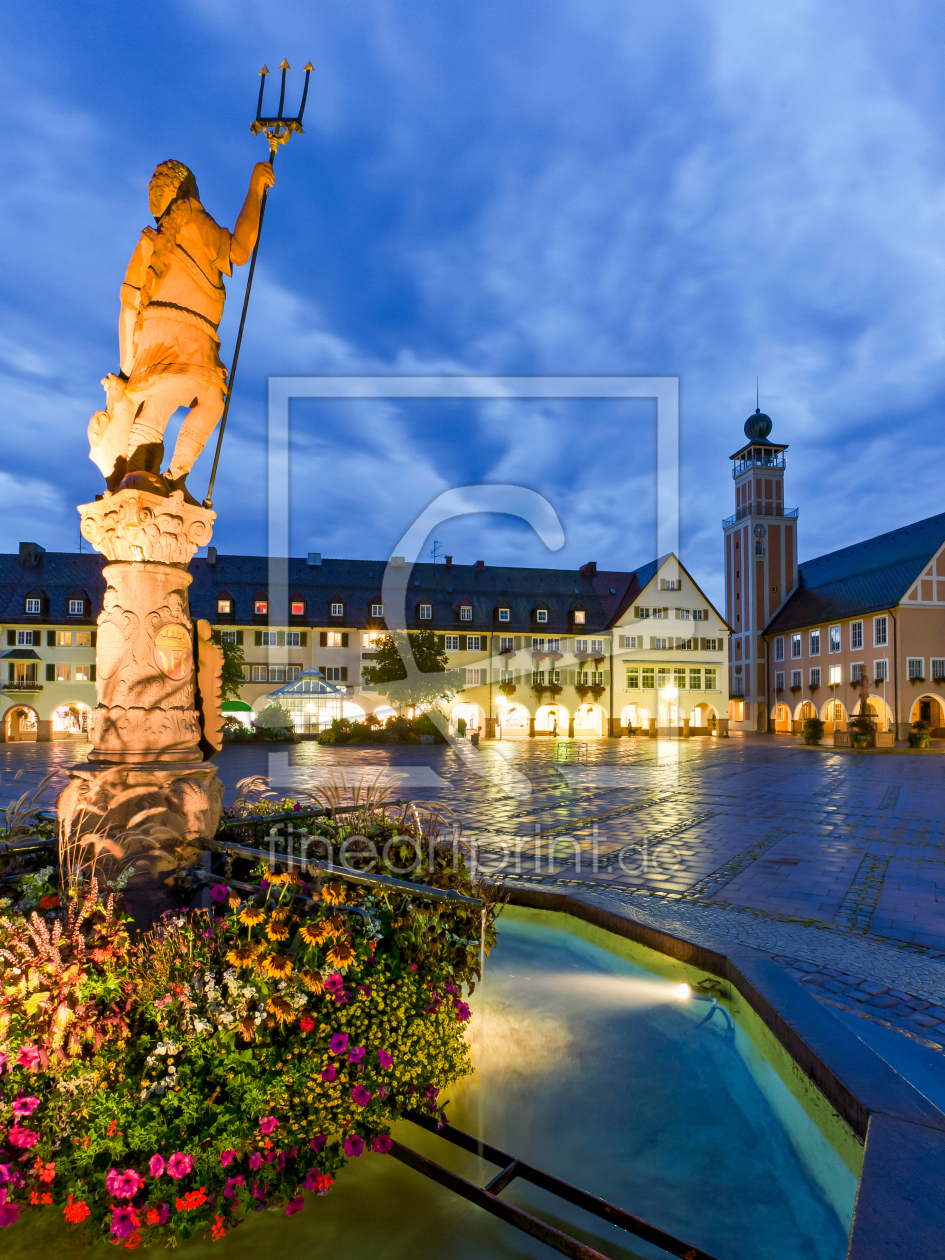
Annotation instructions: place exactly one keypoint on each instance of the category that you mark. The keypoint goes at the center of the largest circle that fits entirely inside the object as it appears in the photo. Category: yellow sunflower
(242, 956)
(312, 933)
(312, 980)
(277, 966)
(281, 1009)
(251, 916)
(333, 894)
(341, 955)
(277, 931)
(336, 925)
(281, 914)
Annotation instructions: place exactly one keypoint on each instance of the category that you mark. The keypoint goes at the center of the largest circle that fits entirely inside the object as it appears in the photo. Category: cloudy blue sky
(717, 192)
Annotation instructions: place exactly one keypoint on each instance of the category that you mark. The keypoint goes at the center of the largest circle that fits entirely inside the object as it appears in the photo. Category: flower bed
(233, 1059)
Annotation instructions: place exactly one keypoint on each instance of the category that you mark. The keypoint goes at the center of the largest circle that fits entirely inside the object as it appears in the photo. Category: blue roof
(864, 578)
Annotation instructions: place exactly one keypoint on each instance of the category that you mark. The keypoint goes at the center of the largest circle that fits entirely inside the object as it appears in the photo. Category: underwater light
(683, 993)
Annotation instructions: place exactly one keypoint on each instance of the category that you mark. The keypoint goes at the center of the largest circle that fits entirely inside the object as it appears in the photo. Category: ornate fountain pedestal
(158, 676)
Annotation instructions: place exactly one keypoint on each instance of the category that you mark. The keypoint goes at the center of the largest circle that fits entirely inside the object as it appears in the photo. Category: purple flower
(382, 1091)
(329, 1073)
(334, 983)
(4, 1060)
(451, 988)
(318, 1143)
(9, 1212)
(382, 1144)
(163, 1211)
(338, 1043)
(24, 1106)
(267, 1125)
(28, 1057)
(353, 1146)
(385, 1059)
(260, 1193)
(5, 1170)
(294, 1205)
(462, 1012)
(357, 1054)
(255, 1161)
(23, 1137)
(226, 1158)
(219, 892)
(430, 1092)
(232, 1185)
(296, 808)
(361, 1096)
(124, 1222)
(179, 1165)
(122, 1185)
(156, 1165)
(264, 883)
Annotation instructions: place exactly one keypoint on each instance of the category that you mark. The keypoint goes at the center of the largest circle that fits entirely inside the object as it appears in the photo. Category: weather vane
(277, 130)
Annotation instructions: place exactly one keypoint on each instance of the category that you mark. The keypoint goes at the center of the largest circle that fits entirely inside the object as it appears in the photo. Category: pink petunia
(122, 1185)
(353, 1146)
(124, 1222)
(25, 1106)
(4, 1060)
(294, 1205)
(338, 1043)
(24, 1138)
(28, 1057)
(361, 1096)
(385, 1059)
(5, 1169)
(267, 1125)
(179, 1165)
(357, 1054)
(227, 1157)
(255, 1161)
(329, 1073)
(318, 1143)
(9, 1212)
(463, 1012)
(218, 892)
(160, 1214)
(232, 1185)
(382, 1091)
(382, 1144)
(156, 1165)
(334, 983)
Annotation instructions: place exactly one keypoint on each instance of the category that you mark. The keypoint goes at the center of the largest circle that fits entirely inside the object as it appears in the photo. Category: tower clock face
(760, 531)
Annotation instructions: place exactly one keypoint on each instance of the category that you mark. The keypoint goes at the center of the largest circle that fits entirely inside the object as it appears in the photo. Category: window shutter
(606, 677)
(518, 642)
(50, 673)
(258, 634)
(441, 642)
(344, 638)
(50, 638)
(92, 673)
(344, 673)
(239, 637)
(462, 642)
(95, 637)
(280, 638)
(636, 611)
(323, 638)
(705, 614)
(528, 640)
(303, 639)
(11, 638)
(665, 613)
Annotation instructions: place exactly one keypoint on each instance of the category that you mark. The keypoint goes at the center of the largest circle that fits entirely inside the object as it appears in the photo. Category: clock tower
(760, 542)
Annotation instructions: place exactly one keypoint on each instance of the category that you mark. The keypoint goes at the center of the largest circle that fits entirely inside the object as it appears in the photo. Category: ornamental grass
(161, 1087)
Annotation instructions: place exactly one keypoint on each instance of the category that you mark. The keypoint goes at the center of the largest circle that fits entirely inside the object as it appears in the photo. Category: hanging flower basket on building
(597, 690)
(555, 689)
(507, 689)
(913, 679)
(599, 662)
(582, 690)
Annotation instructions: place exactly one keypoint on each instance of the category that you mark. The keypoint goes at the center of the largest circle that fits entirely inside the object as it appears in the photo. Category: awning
(21, 654)
(236, 706)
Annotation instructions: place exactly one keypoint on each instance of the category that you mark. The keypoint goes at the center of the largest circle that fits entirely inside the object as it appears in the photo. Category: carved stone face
(159, 197)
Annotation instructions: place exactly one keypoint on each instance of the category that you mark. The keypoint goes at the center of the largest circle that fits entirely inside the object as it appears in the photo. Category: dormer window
(465, 612)
(337, 610)
(579, 616)
(505, 614)
(225, 606)
(541, 615)
(377, 610)
(297, 607)
(260, 607)
(34, 607)
(426, 612)
(76, 607)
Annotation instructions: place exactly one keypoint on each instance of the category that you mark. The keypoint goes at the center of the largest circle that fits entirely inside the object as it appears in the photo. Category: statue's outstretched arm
(130, 303)
(247, 225)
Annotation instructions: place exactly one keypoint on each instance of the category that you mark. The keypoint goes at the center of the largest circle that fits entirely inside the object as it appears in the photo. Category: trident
(278, 131)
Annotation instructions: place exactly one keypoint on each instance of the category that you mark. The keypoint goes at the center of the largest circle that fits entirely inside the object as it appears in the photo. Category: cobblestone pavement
(831, 863)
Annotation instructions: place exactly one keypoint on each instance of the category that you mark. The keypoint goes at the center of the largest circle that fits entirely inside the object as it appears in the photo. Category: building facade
(541, 651)
(805, 635)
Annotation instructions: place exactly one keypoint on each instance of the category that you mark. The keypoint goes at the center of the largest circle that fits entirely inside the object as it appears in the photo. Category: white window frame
(597, 647)
(465, 612)
(580, 645)
(779, 648)
(332, 638)
(76, 607)
(426, 612)
(834, 640)
(34, 607)
(881, 670)
(796, 642)
(915, 667)
(506, 643)
(779, 680)
(856, 636)
(474, 677)
(856, 671)
(83, 673)
(937, 667)
(24, 638)
(377, 610)
(474, 643)
(277, 673)
(260, 607)
(813, 643)
(451, 642)
(63, 673)
(711, 682)
(880, 632)
(331, 673)
(814, 676)
(579, 617)
(633, 678)
(270, 638)
(293, 638)
(292, 672)
(695, 679)
(337, 610)
(297, 607)
(228, 636)
(797, 677)
(505, 614)
(260, 673)
(224, 606)
(541, 616)
(835, 675)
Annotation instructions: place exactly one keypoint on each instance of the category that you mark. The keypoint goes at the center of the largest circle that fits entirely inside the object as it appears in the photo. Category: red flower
(45, 1172)
(306, 1023)
(49, 903)
(219, 1229)
(76, 1212)
(192, 1199)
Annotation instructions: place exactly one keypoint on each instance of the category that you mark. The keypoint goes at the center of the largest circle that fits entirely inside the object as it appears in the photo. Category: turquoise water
(589, 1067)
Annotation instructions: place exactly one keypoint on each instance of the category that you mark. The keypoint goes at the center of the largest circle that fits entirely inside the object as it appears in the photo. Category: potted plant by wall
(861, 730)
(597, 690)
(539, 690)
(554, 689)
(919, 735)
(582, 689)
(913, 678)
(813, 731)
(794, 690)
(813, 687)
(507, 688)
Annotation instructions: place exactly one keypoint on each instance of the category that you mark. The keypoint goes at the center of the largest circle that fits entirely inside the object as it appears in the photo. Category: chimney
(589, 569)
(314, 559)
(30, 554)
(449, 561)
(397, 562)
(480, 564)
(211, 555)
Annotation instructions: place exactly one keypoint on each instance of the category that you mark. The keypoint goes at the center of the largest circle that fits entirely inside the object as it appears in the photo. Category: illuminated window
(836, 675)
(298, 608)
(63, 673)
(579, 617)
(333, 639)
(83, 638)
(226, 606)
(371, 640)
(83, 673)
(260, 607)
(64, 638)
